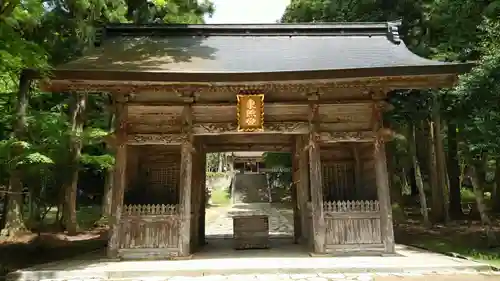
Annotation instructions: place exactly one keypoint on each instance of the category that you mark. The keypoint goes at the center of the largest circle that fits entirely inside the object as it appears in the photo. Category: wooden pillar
(315, 181)
(201, 166)
(303, 190)
(383, 193)
(186, 173)
(195, 201)
(297, 226)
(318, 219)
(185, 198)
(119, 178)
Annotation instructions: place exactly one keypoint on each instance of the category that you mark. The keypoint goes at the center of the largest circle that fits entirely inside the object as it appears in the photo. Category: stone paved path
(219, 223)
(337, 277)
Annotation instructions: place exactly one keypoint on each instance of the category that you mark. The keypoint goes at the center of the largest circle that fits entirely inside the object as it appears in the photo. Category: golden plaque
(250, 113)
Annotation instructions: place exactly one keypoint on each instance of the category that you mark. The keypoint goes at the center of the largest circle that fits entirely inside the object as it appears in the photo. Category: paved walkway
(312, 277)
(284, 262)
(341, 277)
(220, 224)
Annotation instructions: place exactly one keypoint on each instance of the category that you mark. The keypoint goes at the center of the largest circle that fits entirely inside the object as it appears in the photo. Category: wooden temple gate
(162, 195)
(206, 92)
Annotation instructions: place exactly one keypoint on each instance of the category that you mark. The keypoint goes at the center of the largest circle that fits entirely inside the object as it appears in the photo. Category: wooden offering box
(251, 232)
(250, 228)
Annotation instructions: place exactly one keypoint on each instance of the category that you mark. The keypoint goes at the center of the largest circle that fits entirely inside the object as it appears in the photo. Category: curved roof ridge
(389, 29)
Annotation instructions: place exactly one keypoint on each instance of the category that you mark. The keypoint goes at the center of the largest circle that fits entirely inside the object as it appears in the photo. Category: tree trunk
(70, 190)
(442, 178)
(14, 223)
(478, 178)
(220, 162)
(455, 207)
(436, 202)
(108, 185)
(395, 188)
(496, 193)
(418, 175)
(107, 195)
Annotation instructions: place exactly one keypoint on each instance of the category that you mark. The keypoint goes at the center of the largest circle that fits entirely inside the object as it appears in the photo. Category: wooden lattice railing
(351, 206)
(149, 210)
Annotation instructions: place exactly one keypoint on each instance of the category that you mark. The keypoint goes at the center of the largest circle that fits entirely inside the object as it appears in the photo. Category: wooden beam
(202, 129)
(180, 138)
(156, 139)
(336, 137)
(159, 126)
(274, 112)
(90, 84)
(153, 103)
(248, 147)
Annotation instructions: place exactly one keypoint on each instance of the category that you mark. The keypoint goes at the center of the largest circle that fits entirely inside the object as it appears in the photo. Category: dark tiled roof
(248, 48)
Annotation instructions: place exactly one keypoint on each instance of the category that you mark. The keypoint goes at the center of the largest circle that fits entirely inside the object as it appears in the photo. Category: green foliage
(277, 159)
(475, 93)
(467, 195)
(20, 153)
(281, 178)
(99, 162)
(220, 196)
(39, 35)
(215, 174)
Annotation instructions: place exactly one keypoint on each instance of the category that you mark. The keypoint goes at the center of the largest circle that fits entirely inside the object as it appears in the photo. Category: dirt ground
(31, 249)
(463, 238)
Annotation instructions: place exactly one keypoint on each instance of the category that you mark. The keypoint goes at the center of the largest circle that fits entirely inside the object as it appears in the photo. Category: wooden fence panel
(150, 230)
(352, 224)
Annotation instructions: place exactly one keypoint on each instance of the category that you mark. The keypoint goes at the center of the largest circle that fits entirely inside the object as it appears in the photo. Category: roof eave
(144, 76)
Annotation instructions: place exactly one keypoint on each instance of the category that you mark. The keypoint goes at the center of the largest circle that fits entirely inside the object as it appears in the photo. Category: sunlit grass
(220, 197)
(487, 256)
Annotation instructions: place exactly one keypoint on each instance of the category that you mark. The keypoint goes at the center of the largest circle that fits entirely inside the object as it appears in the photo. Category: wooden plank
(119, 178)
(274, 112)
